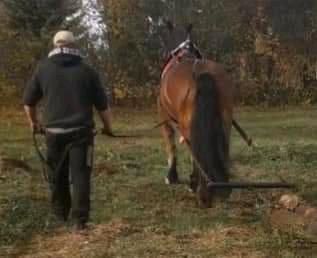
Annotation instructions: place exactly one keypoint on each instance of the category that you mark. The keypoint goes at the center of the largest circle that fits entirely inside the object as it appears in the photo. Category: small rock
(311, 213)
(289, 201)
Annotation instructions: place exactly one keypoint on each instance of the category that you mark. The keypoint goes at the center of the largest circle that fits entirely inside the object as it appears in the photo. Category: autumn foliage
(268, 46)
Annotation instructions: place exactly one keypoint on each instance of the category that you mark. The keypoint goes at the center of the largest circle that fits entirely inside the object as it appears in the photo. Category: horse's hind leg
(168, 133)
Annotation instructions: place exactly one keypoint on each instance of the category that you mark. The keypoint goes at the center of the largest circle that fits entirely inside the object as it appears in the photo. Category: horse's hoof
(192, 189)
(169, 181)
(189, 189)
(204, 197)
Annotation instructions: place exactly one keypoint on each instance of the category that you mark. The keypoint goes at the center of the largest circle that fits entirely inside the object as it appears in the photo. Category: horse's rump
(178, 90)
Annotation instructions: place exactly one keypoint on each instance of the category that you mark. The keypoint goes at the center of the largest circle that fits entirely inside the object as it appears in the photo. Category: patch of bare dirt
(67, 243)
(291, 213)
(11, 164)
(105, 168)
(230, 242)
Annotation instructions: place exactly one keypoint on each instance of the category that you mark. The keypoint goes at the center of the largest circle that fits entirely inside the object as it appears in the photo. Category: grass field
(134, 214)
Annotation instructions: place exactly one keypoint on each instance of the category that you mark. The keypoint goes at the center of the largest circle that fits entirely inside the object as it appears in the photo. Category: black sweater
(69, 88)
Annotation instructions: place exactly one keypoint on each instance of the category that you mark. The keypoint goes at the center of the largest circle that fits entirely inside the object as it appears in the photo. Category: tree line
(268, 46)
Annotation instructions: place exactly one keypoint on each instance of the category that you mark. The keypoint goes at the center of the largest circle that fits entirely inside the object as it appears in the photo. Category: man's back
(69, 88)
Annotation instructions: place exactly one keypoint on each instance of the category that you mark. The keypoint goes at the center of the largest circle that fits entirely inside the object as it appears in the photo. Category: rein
(46, 164)
(41, 157)
(111, 135)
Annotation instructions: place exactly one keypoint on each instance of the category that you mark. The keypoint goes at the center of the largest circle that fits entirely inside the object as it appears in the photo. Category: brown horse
(196, 99)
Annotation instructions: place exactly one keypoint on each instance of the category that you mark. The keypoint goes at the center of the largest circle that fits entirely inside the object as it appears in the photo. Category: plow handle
(242, 132)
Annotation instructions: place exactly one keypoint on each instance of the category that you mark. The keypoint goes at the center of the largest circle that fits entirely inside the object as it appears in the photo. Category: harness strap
(194, 68)
(179, 51)
(44, 161)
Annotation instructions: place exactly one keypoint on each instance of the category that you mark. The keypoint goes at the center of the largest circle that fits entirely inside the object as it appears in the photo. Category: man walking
(69, 89)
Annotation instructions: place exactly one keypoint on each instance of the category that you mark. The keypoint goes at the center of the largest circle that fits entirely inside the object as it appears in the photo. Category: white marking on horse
(170, 162)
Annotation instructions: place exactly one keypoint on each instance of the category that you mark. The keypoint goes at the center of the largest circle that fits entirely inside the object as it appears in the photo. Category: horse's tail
(208, 138)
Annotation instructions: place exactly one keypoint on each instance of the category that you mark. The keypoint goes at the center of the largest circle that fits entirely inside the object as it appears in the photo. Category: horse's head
(176, 37)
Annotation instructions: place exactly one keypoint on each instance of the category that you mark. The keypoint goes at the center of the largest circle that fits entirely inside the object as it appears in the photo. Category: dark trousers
(78, 164)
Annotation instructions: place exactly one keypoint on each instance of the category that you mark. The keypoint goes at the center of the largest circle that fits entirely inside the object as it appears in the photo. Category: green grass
(143, 217)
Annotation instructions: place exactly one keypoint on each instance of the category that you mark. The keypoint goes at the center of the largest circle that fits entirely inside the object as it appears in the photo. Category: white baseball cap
(63, 37)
